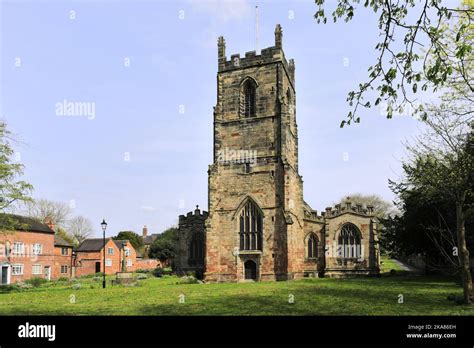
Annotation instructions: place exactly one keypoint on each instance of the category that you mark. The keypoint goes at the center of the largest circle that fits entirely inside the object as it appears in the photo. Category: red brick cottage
(120, 256)
(26, 252)
(62, 258)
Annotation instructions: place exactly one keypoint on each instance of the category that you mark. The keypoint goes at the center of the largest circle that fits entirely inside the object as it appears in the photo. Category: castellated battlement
(193, 216)
(348, 207)
(267, 56)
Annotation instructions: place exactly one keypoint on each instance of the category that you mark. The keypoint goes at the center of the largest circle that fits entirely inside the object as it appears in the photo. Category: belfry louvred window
(249, 99)
(251, 227)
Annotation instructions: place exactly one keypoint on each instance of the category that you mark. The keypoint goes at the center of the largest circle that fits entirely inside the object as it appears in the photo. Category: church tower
(255, 224)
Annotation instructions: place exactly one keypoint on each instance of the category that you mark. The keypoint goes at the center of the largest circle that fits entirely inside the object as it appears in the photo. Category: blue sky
(50, 54)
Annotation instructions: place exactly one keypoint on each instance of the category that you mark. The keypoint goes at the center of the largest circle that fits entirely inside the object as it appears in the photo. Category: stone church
(258, 226)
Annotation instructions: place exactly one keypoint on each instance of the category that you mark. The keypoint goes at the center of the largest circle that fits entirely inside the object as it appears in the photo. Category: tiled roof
(119, 242)
(92, 244)
(148, 240)
(58, 240)
(26, 223)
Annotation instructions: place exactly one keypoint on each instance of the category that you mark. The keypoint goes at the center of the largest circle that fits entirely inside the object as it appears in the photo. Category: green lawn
(160, 296)
(387, 264)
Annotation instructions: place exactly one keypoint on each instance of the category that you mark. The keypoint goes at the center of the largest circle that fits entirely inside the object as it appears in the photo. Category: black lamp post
(104, 227)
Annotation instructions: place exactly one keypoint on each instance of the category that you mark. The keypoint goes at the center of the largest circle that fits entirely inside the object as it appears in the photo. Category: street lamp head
(104, 225)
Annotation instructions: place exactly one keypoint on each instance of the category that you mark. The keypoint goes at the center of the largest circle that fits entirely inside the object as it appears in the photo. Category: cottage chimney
(49, 222)
(145, 231)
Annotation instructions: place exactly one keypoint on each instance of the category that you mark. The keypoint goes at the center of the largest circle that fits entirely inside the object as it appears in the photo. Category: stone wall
(364, 221)
(191, 226)
(255, 160)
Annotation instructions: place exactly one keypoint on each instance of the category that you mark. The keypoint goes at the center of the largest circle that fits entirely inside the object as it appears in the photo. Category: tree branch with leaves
(427, 59)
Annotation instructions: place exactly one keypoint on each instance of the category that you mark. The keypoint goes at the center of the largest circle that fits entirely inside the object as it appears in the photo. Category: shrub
(144, 271)
(36, 281)
(97, 278)
(9, 288)
(76, 286)
(99, 274)
(187, 280)
(158, 272)
(142, 276)
(24, 286)
(199, 274)
(63, 279)
(167, 271)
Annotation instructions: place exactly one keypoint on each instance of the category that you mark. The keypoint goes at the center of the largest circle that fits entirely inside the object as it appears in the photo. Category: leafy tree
(12, 189)
(164, 248)
(66, 236)
(443, 165)
(425, 226)
(131, 236)
(428, 58)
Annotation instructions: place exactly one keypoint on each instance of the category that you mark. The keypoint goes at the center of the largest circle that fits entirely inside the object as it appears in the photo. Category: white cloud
(147, 208)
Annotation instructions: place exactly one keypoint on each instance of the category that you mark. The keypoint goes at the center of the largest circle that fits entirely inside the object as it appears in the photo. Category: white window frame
(110, 251)
(36, 272)
(64, 249)
(37, 249)
(129, 263)
(127, 251)
(62, 267)
(108, 262)
(14, 271)
(18, 245)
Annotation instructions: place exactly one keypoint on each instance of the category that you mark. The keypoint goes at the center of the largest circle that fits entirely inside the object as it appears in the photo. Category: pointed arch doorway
(250, 267)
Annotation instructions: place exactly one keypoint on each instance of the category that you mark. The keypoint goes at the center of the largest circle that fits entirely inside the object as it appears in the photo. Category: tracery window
(312, 246)
(349, 244)
(251, 227)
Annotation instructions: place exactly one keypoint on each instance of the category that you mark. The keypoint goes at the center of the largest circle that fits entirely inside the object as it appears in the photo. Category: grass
(160, 296)
(387, 264)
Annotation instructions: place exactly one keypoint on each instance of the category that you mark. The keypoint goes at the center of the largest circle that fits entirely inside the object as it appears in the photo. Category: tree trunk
(463, 254)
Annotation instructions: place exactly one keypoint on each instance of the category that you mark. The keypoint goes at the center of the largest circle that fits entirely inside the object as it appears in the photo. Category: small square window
(17, 269)
(108, 262)
(110, 251)
(64, 251)
(18, 248)
(37, 269)
(37, 249)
